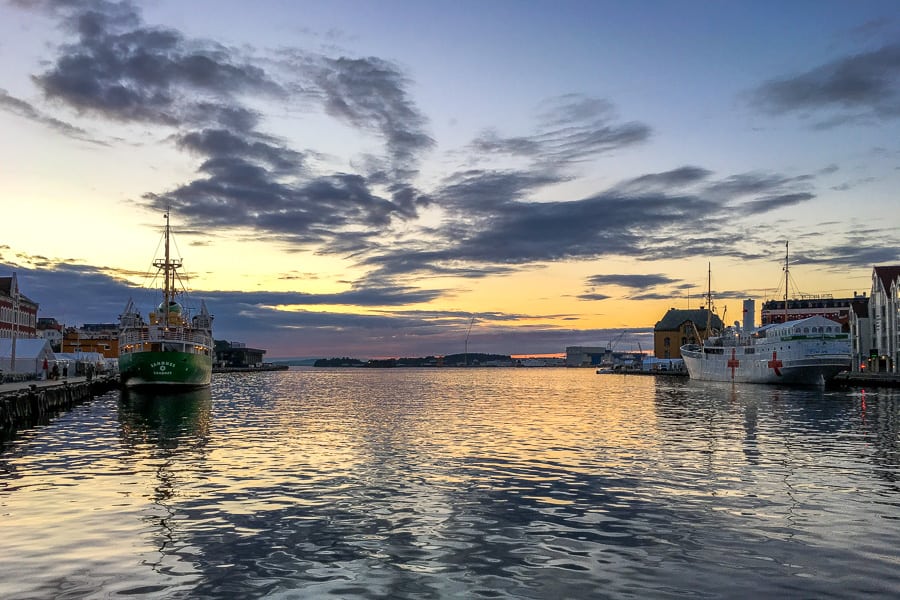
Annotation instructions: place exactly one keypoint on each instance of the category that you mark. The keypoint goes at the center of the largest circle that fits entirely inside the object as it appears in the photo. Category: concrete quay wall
(25, 404)
(868, 379)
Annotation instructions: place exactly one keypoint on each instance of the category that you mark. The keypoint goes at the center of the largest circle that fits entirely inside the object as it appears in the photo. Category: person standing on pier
(46, 368)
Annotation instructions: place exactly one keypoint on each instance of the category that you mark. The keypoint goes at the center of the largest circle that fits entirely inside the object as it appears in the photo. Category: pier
(25, 403)
(859, 379)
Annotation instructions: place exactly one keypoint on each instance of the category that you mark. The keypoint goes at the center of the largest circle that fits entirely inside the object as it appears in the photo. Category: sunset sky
(352, 178)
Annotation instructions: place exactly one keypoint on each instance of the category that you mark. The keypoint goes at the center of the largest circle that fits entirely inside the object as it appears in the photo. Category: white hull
(807, 352)
(802, 370)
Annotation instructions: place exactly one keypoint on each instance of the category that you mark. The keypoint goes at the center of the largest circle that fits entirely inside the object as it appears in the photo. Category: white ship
(808, 351)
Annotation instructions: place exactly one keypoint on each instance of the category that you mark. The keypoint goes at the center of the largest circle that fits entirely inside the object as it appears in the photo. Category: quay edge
(24, 404)
(858, 379)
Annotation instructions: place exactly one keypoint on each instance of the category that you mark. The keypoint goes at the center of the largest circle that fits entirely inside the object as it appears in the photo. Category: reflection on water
(165, 419)
(172, 429)
(525, 483)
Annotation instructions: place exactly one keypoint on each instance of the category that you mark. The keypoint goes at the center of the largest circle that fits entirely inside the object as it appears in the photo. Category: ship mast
(786, 279)
(168, 267)
(708, 299)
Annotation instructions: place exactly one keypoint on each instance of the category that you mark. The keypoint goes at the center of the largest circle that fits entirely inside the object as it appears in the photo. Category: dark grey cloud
(370, 94)
(29, 111)
(768, 204)
(741, 185)
(849, 89)
(631, 281)
(75, 294)
(856, 253)
(680, 178)
(699, 298)
(259, 149)
(653, 296)
(593, 296)
(125, 70)
(492, 222)
(570, 129)
(120, 68)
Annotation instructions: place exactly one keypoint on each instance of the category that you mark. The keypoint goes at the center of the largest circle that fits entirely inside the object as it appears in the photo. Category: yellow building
(680, 327)
(93, 337)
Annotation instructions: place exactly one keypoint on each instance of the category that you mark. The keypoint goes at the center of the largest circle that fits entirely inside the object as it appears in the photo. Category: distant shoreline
(264, 367)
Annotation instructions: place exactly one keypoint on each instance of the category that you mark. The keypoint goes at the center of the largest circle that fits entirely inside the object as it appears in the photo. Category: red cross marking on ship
(775, 363)
(733, 363)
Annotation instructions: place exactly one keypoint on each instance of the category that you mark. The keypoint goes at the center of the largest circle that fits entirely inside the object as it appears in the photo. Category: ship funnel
(749, 315)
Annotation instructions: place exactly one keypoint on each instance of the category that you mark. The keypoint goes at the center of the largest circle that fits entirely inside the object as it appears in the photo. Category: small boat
(172, 348)
(810, 351)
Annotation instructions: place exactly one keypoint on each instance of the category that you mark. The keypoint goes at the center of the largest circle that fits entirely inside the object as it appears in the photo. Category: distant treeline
(451, 360)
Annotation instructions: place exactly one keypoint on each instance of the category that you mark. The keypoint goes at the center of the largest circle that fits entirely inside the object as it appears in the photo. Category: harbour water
(457, 483)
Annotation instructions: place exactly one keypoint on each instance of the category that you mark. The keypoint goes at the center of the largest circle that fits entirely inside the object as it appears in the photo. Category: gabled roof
(675, 318)
(887, 275)
(6, 285)
(860, 307)
(6, 290)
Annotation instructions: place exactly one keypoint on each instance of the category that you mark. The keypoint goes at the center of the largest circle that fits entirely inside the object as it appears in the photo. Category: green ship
(171, 349)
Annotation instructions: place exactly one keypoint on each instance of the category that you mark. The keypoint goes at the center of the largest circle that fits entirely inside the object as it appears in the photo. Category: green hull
(173, 369)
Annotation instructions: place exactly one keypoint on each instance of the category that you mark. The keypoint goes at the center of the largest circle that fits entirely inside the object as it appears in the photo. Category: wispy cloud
(861, 87)
(29, 111)
(635, 281)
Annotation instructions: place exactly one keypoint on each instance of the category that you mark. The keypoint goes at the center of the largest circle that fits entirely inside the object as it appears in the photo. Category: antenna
(708, 300)
(786, 278)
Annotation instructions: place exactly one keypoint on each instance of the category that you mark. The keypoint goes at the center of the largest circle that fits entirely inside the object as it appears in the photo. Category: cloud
(76, 294)
(764, 205)
(370, 94)
(593, 296)
(680, 178)
(29, 111)
(121, 69)
(124, 70)
(489, 222)
(863, 86)
(492, 221)
(631, 281)
(570, 128)
(856, 253)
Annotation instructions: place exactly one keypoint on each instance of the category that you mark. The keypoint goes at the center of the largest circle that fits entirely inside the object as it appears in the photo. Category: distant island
(451, 360)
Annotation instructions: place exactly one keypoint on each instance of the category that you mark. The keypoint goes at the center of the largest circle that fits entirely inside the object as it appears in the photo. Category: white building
(30, 355)
(884, 317)
(860, 334)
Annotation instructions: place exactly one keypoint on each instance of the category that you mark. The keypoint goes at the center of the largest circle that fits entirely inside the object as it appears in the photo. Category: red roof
(887, 275)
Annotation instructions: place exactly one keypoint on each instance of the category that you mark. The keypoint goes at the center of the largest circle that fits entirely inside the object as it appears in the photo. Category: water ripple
(544, 483)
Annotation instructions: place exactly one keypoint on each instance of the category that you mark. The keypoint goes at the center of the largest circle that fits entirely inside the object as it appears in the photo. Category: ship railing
(137, 336)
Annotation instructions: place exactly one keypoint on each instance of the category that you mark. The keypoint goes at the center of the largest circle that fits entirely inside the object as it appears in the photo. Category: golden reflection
(165, 419)
(166, 432)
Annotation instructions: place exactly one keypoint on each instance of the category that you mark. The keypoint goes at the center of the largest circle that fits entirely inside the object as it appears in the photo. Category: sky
(405, 178)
